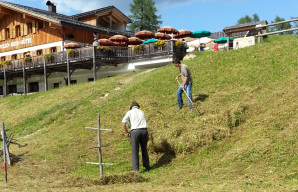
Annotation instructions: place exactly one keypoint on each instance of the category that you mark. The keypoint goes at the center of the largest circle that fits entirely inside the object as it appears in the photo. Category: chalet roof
(57, 18)
(101, 10)
(243, 27)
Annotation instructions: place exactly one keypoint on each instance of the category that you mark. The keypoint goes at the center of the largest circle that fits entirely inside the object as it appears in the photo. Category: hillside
(241, 137)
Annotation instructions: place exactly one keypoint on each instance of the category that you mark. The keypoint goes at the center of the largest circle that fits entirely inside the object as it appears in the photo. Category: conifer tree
(143, 16)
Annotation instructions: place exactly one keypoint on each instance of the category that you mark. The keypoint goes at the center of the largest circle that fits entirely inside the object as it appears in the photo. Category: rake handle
(184, 91)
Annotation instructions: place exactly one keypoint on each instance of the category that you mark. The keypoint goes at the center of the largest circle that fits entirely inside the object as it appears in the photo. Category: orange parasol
(162, 36)
(105, 42)
(120, 44)
(144, 34)
(168, 30)
(118, 38)
(183, 33)
(71, 45)
(134, 41)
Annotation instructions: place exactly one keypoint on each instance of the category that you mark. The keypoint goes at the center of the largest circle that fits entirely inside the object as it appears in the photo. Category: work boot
(179, 108)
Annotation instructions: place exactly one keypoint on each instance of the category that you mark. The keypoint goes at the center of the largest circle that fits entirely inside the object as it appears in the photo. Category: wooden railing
(112, 55)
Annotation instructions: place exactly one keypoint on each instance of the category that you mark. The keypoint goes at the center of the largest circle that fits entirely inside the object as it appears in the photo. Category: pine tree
(248, 19)
(144, 16)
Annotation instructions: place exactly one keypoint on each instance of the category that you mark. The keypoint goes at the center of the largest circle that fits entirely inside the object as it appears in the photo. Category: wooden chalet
(27, 32)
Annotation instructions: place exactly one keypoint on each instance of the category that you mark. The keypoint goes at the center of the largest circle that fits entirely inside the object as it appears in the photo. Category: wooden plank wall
(38, 36)
(42, 33)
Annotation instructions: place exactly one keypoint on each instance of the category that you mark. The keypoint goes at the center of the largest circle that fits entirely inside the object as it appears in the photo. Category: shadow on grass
(200, 97)
(168, 154)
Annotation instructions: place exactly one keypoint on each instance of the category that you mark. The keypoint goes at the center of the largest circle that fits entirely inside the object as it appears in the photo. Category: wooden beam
(236, 30)
(28, 17)
(4, 10)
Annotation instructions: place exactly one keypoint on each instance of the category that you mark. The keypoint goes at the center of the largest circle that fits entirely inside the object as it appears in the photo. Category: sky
(193, 15)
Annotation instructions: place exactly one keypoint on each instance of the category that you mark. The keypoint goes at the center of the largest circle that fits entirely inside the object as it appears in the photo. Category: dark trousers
(139, 137)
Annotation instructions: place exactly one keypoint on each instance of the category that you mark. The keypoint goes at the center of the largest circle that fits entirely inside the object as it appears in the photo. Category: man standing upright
(186, 84)
(138, 135)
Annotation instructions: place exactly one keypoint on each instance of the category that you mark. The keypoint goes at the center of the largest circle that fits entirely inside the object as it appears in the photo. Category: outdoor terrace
(87, 58)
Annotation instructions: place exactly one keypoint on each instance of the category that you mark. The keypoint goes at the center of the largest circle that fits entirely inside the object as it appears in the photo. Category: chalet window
(56, 85)
(29, 28)
(40, 25)
(13, 57)
(18, 31)
(1, 90)
(7, 33)
(12, 89)
(73, 82)
(33, 87)
(90, 79)
(53, 49)
(39, 52)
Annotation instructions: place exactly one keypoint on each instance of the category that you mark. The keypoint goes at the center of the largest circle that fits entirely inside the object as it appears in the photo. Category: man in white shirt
(138, 135)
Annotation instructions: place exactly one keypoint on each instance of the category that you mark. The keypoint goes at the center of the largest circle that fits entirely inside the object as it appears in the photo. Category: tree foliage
(143, 16)
(281, 26)
(248, 19)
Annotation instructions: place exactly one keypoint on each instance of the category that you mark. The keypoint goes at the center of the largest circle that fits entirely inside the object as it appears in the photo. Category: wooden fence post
(99, 146)
(4, 151)
(5, 81)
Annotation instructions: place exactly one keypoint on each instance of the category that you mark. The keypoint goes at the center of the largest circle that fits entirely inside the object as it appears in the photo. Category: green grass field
(242, 135)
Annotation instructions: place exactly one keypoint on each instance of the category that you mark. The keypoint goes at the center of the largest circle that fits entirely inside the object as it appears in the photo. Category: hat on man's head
(176, 61)
(134, 103)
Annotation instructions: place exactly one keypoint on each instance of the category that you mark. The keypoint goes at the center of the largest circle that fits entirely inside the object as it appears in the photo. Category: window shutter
(25, 29)
(22, 29)
(33, 27)
(3, 34)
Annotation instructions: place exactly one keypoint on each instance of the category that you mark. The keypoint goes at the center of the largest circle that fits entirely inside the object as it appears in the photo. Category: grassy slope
(243, 135)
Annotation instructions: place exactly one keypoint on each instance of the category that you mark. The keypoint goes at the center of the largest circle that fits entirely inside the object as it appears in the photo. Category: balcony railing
(109, 55)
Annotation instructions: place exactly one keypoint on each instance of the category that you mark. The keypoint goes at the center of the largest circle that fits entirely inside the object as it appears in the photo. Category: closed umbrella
(223, 40)
(150, 41)
(144, 34)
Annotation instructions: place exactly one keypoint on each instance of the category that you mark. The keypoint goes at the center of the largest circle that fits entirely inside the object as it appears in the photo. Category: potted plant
(72, 52)
(179, 44)
(139, 49)
(27, 60)
(48, 57)
(104, 49)
(159, 45)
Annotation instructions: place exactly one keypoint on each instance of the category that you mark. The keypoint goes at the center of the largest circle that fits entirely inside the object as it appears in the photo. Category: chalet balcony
(84, 58)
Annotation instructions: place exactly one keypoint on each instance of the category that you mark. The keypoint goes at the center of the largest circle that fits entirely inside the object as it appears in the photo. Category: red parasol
(168, 30)
(71, 45)
(118, 38)
(105, 42)
(144, 34)
(134, 41)
(120, 44)
(183, 33)
(162, 36)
